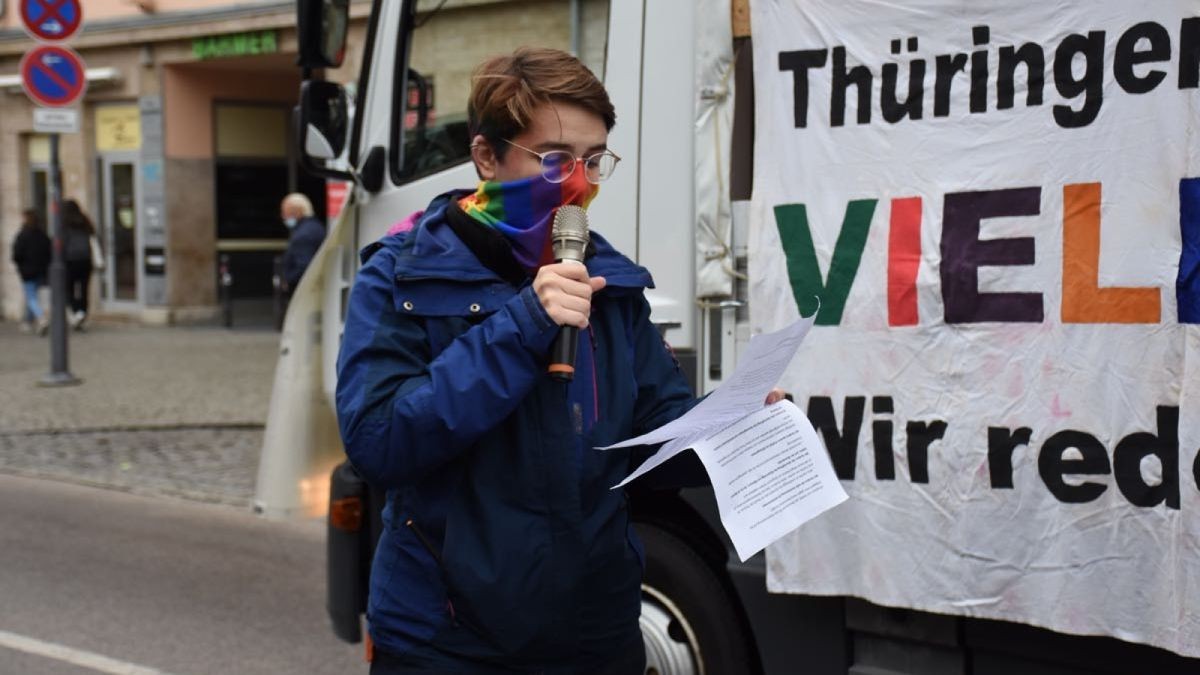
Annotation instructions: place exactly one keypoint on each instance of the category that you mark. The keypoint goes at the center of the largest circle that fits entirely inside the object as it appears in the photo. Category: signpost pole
(59, 374)
(54, 77)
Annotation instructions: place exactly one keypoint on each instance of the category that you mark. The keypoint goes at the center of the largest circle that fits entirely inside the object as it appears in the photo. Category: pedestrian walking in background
(31, 252)
(305, 235)
(80, 251)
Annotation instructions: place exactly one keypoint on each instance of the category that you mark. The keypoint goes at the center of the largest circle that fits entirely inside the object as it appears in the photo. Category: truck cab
(680, 76)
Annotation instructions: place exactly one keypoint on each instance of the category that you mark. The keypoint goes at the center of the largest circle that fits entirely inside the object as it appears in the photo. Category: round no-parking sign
(51, 19)
(53, 76)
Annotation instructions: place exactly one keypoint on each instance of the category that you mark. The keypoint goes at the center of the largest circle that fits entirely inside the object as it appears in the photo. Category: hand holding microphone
(565, 290)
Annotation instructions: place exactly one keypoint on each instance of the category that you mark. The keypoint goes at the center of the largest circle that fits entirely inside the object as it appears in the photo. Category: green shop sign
(236, 44)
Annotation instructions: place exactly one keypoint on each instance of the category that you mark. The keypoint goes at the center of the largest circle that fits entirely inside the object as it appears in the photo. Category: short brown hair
(506, 89)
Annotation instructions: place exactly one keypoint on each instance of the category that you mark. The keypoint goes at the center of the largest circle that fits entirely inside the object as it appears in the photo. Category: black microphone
(569, 237)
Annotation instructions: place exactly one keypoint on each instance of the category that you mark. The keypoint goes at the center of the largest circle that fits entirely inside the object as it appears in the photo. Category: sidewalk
(161, 410)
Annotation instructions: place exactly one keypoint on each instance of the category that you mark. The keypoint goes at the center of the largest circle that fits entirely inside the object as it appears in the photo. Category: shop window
(248, 199)
(39, 193)
(252, 172)
(252, 131)
(39, 177)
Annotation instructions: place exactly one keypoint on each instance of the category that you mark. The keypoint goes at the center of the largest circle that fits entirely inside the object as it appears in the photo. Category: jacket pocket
(504, 578)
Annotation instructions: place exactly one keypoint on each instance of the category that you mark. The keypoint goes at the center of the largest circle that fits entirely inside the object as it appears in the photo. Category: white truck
(684, 91)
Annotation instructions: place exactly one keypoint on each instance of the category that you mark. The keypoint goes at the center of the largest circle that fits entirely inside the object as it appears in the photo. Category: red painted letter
(904, 259)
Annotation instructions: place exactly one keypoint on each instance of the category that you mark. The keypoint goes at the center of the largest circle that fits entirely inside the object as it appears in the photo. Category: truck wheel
(689, 623)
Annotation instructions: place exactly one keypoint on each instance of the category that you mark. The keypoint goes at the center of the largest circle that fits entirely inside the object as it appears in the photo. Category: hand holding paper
(742, 394)
(768, 469)
(770, 474)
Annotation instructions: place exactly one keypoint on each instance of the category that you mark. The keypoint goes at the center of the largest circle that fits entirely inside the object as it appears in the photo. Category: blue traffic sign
(51, 19)
(53, 76)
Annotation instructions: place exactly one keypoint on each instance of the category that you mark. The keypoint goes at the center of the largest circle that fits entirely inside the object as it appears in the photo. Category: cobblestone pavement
(168, 411)
(205, 464)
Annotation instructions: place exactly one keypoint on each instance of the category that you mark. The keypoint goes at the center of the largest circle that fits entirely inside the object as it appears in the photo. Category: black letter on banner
(1189, 53)
(1001, 443)
(859, 76)
(920, 436)
(1034, 59)
(963, 254)
(948, 65)
(1091, 85)
(1127, 462)
(894, 111)
(842, 445)
(980, 35)
(881, 437)
(799, 62)
(1127, 57)
(1052, 466)
(1196, 469)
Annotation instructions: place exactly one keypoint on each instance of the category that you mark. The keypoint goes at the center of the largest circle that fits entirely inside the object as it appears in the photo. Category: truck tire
(690, 624)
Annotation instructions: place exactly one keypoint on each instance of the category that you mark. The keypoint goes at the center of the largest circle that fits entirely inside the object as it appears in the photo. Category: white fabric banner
(998, 205)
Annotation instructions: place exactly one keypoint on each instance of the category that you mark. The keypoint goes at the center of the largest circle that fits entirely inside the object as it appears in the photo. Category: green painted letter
(801, 253)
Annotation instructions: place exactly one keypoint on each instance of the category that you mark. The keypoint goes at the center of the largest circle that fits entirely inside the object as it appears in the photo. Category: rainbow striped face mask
(523, 211)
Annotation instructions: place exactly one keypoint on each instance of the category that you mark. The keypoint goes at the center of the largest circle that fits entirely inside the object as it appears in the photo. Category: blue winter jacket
(502, 539)
(303, 244)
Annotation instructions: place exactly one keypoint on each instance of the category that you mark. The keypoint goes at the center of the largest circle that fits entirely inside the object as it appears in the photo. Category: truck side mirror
(323, 122)
(321, 32)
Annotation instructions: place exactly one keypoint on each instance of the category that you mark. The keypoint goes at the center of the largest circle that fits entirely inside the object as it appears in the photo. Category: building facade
(186, 140)
(184, 150)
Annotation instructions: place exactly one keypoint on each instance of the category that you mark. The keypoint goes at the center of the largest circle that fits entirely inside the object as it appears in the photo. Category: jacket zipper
(424, 542)
(454, 619)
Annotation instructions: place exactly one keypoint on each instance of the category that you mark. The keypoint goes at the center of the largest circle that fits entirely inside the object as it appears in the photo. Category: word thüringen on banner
(1137, 48)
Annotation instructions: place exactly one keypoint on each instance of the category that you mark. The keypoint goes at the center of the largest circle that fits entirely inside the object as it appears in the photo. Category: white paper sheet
(768, 469)
(757, 372)
(770, 474)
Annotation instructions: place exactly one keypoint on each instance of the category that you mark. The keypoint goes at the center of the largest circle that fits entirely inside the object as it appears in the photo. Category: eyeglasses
(558, 165)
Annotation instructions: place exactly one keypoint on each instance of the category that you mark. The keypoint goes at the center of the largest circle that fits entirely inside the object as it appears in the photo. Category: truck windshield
(450, 38)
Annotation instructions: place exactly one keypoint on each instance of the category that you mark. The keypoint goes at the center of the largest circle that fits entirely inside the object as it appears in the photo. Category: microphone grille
(570, 221)
(569, 234)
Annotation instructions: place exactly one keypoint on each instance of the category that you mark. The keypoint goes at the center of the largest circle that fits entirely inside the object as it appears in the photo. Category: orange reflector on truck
(346, 513)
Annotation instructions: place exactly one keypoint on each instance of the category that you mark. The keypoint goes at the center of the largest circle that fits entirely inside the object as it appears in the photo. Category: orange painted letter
(1083, 300)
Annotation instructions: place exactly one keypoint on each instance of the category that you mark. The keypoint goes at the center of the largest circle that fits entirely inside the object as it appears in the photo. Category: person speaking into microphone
(503, 547)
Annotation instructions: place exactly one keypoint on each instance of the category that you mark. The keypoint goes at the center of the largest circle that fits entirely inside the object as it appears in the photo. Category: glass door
(38, 147)
(39, 193)
(119, 229)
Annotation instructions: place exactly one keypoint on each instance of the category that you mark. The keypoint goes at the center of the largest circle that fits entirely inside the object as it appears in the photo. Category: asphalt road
(94, 580)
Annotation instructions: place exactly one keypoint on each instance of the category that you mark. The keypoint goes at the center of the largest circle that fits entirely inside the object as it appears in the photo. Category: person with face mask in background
(305, 235)
(503, 548)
